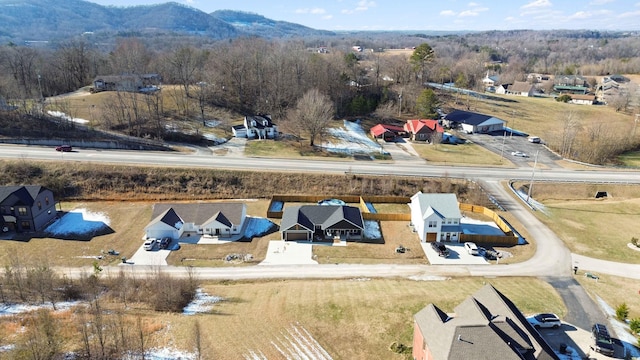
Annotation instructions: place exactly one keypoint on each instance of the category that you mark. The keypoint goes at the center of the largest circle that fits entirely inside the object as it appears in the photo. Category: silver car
(545, 321)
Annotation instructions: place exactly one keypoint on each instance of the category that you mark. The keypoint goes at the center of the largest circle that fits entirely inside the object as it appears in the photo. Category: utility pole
(533, 173)
(504, 136)
(513, 114)
(635, 124)
(400, 103)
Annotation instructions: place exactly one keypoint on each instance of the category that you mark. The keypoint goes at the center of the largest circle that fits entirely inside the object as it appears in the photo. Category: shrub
(634, 241)
(622, 311)
(634, 325)
(563, 98)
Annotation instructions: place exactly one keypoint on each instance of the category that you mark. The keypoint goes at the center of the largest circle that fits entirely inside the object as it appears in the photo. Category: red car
(64, 148)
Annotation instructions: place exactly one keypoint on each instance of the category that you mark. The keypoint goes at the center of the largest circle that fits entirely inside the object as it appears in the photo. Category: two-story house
(436, 217)
(27, 208)
(256, 127)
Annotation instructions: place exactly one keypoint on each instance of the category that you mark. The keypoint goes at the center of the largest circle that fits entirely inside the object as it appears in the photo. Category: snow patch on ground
(17, 309)
(351, 139)
(202, 303)
(293, 343)
(257, 227)
(372, 230)
(78, 221)
(621, 330)
(162, 354)
(64, 116)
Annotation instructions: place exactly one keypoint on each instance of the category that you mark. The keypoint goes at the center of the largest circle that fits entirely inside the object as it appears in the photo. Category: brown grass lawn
(462, 154)
(614, 291)
(127, 221)
(351, 319)
(599, 228)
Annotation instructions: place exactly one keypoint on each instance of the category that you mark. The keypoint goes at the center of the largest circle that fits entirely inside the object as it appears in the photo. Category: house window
(25, 225)
(449, 221)
(46, 200)
(22, 211)
(433, 224)
(39, 205)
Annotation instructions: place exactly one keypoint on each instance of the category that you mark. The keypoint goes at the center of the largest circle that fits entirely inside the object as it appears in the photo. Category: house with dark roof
(321, 223)
(435, 217)
(424, 130)
(223, 219)
(471, 122)
(387, 132)
(485, 326)
(256, 127)
(129, 82)
(27, 208)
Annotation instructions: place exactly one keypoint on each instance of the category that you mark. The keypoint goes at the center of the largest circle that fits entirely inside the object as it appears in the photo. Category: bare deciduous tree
(311, 116)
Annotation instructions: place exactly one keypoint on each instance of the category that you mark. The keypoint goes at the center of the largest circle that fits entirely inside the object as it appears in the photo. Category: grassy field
(599, 228)
(614, 291)
(462, 154)
(350, 319)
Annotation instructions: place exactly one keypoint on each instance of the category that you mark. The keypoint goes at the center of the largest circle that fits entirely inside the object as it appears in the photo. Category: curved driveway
(551, 257)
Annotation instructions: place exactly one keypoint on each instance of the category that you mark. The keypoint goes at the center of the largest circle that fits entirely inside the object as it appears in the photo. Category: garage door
(296, 236)
(432, 236)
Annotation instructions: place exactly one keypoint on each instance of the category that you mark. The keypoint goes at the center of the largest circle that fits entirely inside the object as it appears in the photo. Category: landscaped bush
(622, 311)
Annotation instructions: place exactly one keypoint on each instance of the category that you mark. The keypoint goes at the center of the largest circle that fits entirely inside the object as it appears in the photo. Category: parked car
(440, 249)
(64, 148)
(149, 244)
(490, 254)
(545, 321)
(534, 139)
(601, 340)
(472, 248)
(164, 242)
(519, 154)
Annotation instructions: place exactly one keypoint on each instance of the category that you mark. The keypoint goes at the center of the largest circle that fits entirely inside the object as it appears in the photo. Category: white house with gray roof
(436, 217)
(213, 219)
(321, 223)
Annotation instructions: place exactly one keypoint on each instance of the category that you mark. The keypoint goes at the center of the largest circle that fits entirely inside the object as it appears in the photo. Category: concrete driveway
(400, 150)
(457, 255)
(156, 257)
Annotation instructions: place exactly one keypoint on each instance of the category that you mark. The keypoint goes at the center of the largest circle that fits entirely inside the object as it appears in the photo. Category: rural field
(600, 228)
(350, 319)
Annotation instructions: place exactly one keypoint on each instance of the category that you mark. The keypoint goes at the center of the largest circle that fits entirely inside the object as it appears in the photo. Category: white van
(534, 139)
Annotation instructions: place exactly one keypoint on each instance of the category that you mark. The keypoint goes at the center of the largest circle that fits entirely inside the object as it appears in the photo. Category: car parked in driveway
(440, 249)
(601, 340)
(165, 242)
(149, 244)
(546, 320)
(471, 248)
(519, 154)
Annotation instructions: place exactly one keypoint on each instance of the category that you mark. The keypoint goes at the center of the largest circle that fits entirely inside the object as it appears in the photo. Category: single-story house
(256, 127)
(222, 219)
(26, 208)
(485, 326)
(471, 122)
(424, 130)
(587, 99)
(502, 89)
(129, 83)
(520, 88)
(321, 223)
(571, 89)
(387, 132)
(436, 217)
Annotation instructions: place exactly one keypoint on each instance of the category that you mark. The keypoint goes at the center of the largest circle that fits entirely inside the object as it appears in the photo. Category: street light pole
(533, 172)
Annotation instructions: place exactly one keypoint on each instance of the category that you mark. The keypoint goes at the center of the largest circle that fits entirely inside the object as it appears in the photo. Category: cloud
(362, 5)
(474, 12)
(582, 15)
(472, 4)
(447, 13)
(629, 14)
(314, 11)
(537, 4)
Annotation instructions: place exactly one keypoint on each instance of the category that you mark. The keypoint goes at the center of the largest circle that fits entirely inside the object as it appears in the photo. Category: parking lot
(504, 143)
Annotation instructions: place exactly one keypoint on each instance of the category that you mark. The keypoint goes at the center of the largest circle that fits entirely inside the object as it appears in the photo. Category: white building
(436, 217)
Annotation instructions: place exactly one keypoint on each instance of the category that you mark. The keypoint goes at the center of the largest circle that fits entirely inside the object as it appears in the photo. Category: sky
(447, 15)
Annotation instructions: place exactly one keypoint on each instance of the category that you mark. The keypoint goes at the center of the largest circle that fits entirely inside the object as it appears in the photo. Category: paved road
(551, 258)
